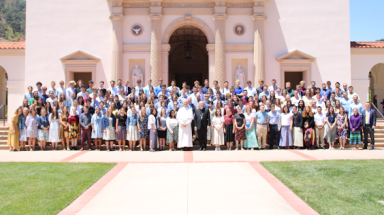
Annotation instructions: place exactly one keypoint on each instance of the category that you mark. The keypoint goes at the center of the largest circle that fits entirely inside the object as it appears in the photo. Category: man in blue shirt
(159, 87)
(29, 95)
(238, 90)
(218, 98)
(206, 86)
(345, 102)
(146, 88)
(262, 120)
(354, 105)
(328, 90)
(182, 97)
(265, 92)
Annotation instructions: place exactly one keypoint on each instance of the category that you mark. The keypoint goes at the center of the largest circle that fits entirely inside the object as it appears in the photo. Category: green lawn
(45, 188)
(335, 187)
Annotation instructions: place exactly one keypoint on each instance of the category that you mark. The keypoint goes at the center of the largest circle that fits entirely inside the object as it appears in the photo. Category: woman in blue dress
(250, 132)
(97, 127)
(143, 128)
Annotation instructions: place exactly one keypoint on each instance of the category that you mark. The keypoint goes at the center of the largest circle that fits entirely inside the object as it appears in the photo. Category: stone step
(2, 128)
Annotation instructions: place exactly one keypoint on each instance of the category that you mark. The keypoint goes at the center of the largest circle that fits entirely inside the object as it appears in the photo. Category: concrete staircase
(379, 139)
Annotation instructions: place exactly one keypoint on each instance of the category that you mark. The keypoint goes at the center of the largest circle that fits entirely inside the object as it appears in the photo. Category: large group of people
(231, 118)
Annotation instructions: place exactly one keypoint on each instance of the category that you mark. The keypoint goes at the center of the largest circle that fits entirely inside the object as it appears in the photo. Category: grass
(335, 187)
(45, 188)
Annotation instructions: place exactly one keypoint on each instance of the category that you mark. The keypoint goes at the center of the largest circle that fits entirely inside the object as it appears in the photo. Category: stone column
(117, 49)
(117, 18)
(155, 60)
(165, 48)
(220, 62)
(211, 62)
(258, 19)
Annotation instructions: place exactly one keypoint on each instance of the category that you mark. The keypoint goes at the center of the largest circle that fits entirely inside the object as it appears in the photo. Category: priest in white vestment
(185, 117)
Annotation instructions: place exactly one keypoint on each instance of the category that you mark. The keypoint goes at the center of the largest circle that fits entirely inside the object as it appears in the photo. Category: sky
(367, 20)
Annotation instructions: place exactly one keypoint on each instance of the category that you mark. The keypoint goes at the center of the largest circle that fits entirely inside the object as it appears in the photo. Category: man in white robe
(185, 117)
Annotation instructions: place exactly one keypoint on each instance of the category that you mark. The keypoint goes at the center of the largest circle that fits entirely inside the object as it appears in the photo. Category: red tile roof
(368, 44)
(12, 45)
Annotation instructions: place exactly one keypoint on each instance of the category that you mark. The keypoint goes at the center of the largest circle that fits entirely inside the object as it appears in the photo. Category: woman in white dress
(32, 124)
(218, 124)
(54, 127)
(109, 123)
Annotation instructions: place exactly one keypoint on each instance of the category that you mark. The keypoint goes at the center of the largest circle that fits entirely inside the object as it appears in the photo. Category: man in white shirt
(173, 84)
(251, 91)
(226, 88)
(50, 98)
(82, 93)
(278, 92)
(296, 98)
(61, 90)
(53, 84)
(193, 96)
(215, 85)
(70, 89)
(113, 89)
(138, 87)
(319, 123)
(351, 93)
(273, 87)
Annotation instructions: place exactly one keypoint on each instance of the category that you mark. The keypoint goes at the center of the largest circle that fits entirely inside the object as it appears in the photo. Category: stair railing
(377, 110)
(3, 106)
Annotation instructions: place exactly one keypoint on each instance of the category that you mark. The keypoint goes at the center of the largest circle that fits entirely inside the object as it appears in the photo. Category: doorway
(84, 76)
(294, 78)
(188, 57)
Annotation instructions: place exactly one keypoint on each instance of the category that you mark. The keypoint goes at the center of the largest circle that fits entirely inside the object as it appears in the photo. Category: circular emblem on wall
(239, 29)
(137, 29)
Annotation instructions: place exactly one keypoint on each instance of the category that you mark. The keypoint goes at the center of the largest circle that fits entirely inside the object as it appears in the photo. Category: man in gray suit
(369, 125)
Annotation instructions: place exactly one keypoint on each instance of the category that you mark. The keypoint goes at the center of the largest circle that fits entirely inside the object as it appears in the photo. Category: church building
(189, 40)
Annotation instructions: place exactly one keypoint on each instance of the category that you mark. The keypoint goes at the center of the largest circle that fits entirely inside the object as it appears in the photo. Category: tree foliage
(12, 20)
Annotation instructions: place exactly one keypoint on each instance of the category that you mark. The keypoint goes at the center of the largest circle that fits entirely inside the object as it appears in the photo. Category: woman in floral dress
(73, 121)
(143, 128)
(342, 127)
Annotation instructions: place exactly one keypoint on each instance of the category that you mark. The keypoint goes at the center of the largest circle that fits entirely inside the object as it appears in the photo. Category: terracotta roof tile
(12, 45)
(368, 44)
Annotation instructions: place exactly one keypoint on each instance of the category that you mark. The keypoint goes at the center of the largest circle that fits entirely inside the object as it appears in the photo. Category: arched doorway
(3, 90)
(376, 85)
(188, 56)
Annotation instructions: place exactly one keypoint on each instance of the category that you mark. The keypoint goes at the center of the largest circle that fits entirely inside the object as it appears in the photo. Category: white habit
(185, 116)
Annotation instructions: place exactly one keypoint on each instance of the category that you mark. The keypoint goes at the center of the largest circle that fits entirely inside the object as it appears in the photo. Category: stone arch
(376, 81)
(188, 20)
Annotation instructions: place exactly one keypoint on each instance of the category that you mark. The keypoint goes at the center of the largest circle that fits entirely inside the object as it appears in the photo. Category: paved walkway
(210, 182)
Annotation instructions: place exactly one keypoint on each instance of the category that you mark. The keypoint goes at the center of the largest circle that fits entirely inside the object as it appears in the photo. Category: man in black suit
(202, 122)
(369, 125)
